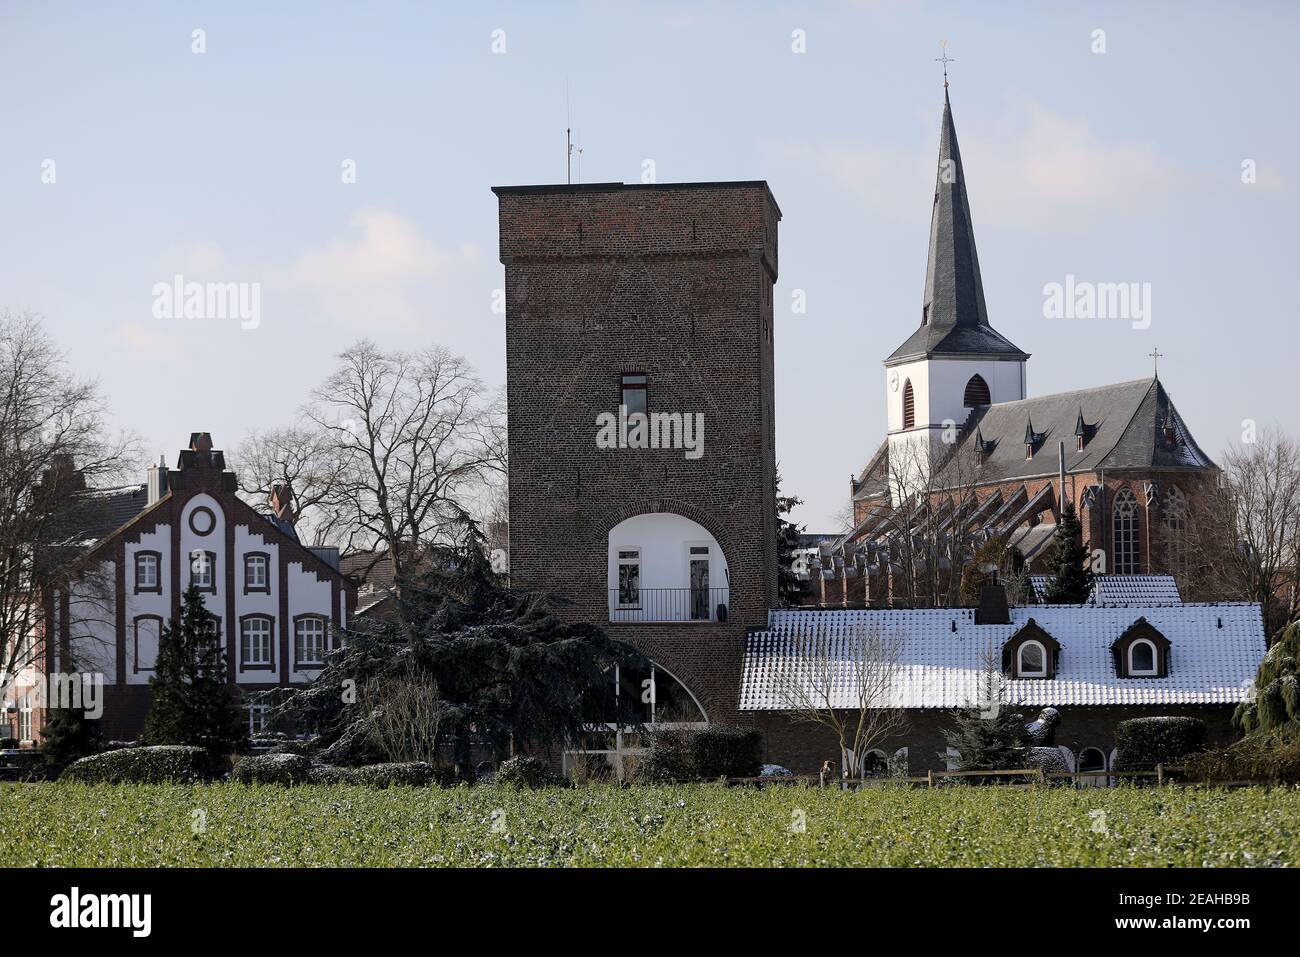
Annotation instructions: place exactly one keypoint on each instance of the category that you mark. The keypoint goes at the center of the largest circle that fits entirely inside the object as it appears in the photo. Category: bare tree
(846, 683)
(406, 713)
(415, 437)
(1243, 535)
(302, 456)
(56, 457)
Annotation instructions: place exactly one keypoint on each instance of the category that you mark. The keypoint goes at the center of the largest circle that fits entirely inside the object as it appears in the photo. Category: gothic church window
(909, 406)
(1127, 535)
(1176, 531)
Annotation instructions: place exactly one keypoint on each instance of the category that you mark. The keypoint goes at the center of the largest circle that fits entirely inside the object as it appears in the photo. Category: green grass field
(232, 825)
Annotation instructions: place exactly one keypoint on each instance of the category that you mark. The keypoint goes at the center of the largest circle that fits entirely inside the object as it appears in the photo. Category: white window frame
(245, 641)
(1021, 670)
(144, 561)
(255, 562)
(202, 560)
(619, 562)
(254, 712)
(300, 645)
(26, 733)
(1154, 670)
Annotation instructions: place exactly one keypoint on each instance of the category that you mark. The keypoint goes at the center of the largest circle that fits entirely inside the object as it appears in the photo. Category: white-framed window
(309, 640)
(1142, 658)
(259, 719)
(1031, 660)
(25, 717)
(256, 572)
(146, 571)
(629, 577)
(203, 570)
(255, 642)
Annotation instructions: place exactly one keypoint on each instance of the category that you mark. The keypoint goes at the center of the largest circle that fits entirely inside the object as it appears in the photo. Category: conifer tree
(789, 587)
(987, 735)
(1071, 581)
(192, 700)
(1273, 712)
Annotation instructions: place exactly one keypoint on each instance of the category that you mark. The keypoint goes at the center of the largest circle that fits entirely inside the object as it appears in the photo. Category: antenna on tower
(568, 135)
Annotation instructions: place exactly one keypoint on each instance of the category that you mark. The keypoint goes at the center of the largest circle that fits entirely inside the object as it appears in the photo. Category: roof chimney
(157, 480)
(282, 501)
(200, 441)
(993, 608)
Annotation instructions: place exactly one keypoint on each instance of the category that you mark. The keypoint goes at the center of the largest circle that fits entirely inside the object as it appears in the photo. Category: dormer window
(1031, 653)
(1141, 652)
(1141, 659)
(1031, 660)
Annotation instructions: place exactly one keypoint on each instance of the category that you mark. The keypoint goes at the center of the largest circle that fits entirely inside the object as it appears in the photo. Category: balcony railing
(668, 604)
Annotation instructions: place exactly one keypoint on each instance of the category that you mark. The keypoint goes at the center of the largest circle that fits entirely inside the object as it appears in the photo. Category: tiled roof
(1215, 650)
(104, 511)
(1124, 425)
(1124, 589)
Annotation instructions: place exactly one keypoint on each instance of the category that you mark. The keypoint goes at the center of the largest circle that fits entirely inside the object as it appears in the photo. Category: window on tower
(909, 406)
(634, 393)
(977, 392)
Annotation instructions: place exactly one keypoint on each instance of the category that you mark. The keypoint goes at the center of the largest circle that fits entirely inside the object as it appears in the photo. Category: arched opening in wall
(611, 750)
(1092, 759)
(977, 392)
(1127, 537)
(666, 567)
(909, 406)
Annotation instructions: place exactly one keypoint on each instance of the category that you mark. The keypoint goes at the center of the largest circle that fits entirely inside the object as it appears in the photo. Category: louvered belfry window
(977, 392)
(909, 406)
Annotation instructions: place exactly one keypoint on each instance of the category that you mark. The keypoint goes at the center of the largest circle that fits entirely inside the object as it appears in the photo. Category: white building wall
(307, 595)
(145, 612)
(257, 603)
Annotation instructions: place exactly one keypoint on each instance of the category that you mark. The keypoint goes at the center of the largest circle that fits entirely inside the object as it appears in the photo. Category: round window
(202, 521)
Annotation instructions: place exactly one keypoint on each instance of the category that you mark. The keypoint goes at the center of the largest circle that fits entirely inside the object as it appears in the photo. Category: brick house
(275, 602)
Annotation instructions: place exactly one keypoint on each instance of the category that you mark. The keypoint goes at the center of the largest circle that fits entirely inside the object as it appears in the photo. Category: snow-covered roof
(1124, 589)
(1214, 652)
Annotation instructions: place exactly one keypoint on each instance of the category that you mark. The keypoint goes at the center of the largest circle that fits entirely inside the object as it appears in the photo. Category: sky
(1158, 151)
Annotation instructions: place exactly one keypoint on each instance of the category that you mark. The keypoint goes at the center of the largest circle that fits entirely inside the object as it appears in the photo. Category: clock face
(893, 379)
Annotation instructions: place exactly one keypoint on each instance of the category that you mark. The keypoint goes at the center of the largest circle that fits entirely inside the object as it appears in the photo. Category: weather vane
(945, 60)
(1155, 361)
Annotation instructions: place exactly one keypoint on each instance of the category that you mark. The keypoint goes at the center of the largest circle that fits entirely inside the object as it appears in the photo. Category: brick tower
(640, 405)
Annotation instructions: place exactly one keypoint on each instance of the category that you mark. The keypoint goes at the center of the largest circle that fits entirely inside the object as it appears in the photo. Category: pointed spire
(1080, 428)
(1030, 435)
(954, 293)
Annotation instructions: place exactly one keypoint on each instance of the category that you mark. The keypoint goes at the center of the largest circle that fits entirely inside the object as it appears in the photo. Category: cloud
(147, 341)
(1038, 171)
(385, 272)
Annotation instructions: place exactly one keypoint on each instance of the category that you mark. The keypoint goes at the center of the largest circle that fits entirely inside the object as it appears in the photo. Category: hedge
(714, 751)
(149, 765)
(279, 768)
(526, 772)
(393, 774)
(1248, 761)
(1142, 743)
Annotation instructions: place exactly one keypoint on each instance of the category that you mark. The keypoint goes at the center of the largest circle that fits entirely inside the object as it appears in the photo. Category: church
(969, 455)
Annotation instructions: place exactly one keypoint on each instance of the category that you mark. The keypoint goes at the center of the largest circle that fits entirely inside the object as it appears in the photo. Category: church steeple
(954, 295)
(954, 320)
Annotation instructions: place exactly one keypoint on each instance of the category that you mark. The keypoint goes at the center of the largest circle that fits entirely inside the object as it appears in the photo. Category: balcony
(668, 604)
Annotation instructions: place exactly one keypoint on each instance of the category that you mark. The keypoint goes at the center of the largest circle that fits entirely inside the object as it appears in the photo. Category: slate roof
(1124, 590)
(1124, 429)
(1215, 650)
(954, 318)
(104, 511)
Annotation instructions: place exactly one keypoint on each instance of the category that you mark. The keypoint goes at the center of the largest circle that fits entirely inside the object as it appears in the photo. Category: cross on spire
(945, 60)
(1155, 361)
